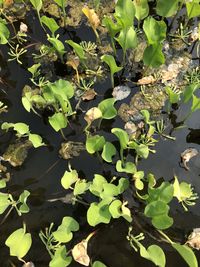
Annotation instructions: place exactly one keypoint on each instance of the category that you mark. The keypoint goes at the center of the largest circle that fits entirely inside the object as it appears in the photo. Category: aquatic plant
(64, 72)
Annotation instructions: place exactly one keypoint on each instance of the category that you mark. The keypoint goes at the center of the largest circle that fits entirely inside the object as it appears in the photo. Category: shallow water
(42, 170)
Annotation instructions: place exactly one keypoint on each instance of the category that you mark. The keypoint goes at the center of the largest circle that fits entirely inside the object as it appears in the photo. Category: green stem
(122, 156)
(165, 236)
(63, 135)
(112, 80)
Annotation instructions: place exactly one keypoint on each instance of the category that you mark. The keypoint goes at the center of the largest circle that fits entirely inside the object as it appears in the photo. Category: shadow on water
(43, 169)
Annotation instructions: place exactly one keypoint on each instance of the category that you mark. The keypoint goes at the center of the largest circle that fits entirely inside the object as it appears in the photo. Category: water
(42, 170)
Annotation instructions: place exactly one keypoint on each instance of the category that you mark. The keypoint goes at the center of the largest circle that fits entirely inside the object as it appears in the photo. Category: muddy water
(43, 169)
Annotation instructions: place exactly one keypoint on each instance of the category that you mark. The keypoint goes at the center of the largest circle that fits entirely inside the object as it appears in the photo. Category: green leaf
(109, 191)
(23, 198)
(95, 143)
(129, 167)
(167, 8)
(110, 61)
(142, 151)
(78, 49)
(125, 12)
(137, 177)
(64, 232)
(57, 44)
(153, 253)
(60, 258)
(19, 243)
(122, 136)
(62, 88)
(97, 185)
(156, 208)
(98, 213)
(36, 140)
(153, 56)
(123, 185)
(2, 185)
(61, 3)
(58, 121)
(186, 253)
(98, 264)
(107, 108)
(141, 9)
(81, 186)
(112, 27)
(37, 4)
(127, 38)
(4, 33)
(26, 103)
(69, 178)
(34, 69)
(182, 191)
(4, 202)
(162, 222)
(117, 209)
(188, 92)
(50, 23)
(154, 30)
(173, 97)
(195, 103)
(108, 152)
(21, 128)
(193, 9)
(164, 192)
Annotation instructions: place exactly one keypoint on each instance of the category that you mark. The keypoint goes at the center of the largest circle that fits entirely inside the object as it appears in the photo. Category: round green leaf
(69, 178)
(60, 258)
(64, 232)
(58, 121)
(98, 213)
(98, 264)
(19, 243)
(108, 152)
(95, 143)
(36, 140)
(107, 108)
(162, 222)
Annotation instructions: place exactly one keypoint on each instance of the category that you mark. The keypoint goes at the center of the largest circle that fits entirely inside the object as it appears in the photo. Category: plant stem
(165, 236)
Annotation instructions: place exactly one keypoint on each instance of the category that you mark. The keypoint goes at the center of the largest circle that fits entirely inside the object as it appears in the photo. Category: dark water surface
(43, 169)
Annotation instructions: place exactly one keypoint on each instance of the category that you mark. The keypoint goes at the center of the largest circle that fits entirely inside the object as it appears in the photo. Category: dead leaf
(194, 239)
(74, 63)
(79, 251)
(146, 80)
(121, 92)
(93, 114)
(23, 27)
(92, 17)
(89, 95)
